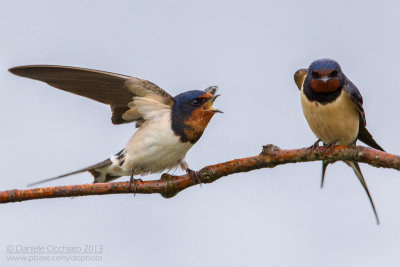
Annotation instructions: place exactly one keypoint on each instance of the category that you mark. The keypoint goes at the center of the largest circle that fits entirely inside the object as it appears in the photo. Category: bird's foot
(330, 145)
(315, 145)
(194, 175)
(134, 182)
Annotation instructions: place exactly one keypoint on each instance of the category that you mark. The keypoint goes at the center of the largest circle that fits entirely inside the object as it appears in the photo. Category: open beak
(208, 105)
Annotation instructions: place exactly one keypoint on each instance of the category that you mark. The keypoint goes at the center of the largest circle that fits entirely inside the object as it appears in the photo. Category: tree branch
(169, 185)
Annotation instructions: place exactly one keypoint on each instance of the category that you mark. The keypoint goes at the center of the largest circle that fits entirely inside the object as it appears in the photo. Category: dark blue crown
(324, 63)
(188, 96)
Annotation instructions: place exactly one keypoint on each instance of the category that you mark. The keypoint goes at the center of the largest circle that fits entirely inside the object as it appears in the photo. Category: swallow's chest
(337, 120)
(155, 147)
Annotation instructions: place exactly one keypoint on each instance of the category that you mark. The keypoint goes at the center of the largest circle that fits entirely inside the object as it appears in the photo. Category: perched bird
(167, 126)
(333, 108)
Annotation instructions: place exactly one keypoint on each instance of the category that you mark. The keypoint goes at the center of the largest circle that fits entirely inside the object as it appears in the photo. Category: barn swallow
(333, 108)
(167, 126)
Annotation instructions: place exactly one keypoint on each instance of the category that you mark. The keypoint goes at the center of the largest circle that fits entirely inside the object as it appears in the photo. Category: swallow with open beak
(167, 126)
(333, 108)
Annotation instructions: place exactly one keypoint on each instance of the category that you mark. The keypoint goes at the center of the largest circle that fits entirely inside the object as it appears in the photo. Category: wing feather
(363, 134)
(356, 97)
(299, 77)
(116, 90)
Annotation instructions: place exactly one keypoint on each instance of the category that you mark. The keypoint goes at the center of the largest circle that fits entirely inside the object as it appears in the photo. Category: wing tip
(14, 70)
(212, 89)
(21, 70)
(299, 77)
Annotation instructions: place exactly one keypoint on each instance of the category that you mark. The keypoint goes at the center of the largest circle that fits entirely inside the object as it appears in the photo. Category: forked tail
(91, 169)
(357, 171)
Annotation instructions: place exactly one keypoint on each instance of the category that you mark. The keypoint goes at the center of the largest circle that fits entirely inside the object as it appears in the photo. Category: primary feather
(109, 88)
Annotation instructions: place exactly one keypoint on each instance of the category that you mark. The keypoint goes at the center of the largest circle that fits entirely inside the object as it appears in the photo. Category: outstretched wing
(363, 134)
(299, 77)
(112, 89)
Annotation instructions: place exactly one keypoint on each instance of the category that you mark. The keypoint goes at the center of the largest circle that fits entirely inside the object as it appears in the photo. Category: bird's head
(325, 76)
(192, 112)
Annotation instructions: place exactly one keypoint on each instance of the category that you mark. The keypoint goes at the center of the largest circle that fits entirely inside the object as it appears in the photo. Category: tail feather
(357, 171)
(365, 137)
(90, 169)
(325, 164)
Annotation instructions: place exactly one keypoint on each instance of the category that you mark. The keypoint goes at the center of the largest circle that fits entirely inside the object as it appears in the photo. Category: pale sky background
(250, 49)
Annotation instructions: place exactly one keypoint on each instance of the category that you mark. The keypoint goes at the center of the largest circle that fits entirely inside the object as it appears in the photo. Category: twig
(169, 185)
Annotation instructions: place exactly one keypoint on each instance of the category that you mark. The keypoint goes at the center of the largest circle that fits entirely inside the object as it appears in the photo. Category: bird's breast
(155, 147)
(332, 121)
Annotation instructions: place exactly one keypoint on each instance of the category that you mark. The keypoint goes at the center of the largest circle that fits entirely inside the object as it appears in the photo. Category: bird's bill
(208, 105)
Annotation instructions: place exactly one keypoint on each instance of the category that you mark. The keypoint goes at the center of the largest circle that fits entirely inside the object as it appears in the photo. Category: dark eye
(315, 74)
(195, 102)
(333, 73)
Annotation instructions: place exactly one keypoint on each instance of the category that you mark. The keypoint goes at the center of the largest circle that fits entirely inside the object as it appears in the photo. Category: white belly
(338, 120)
(154, 148)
